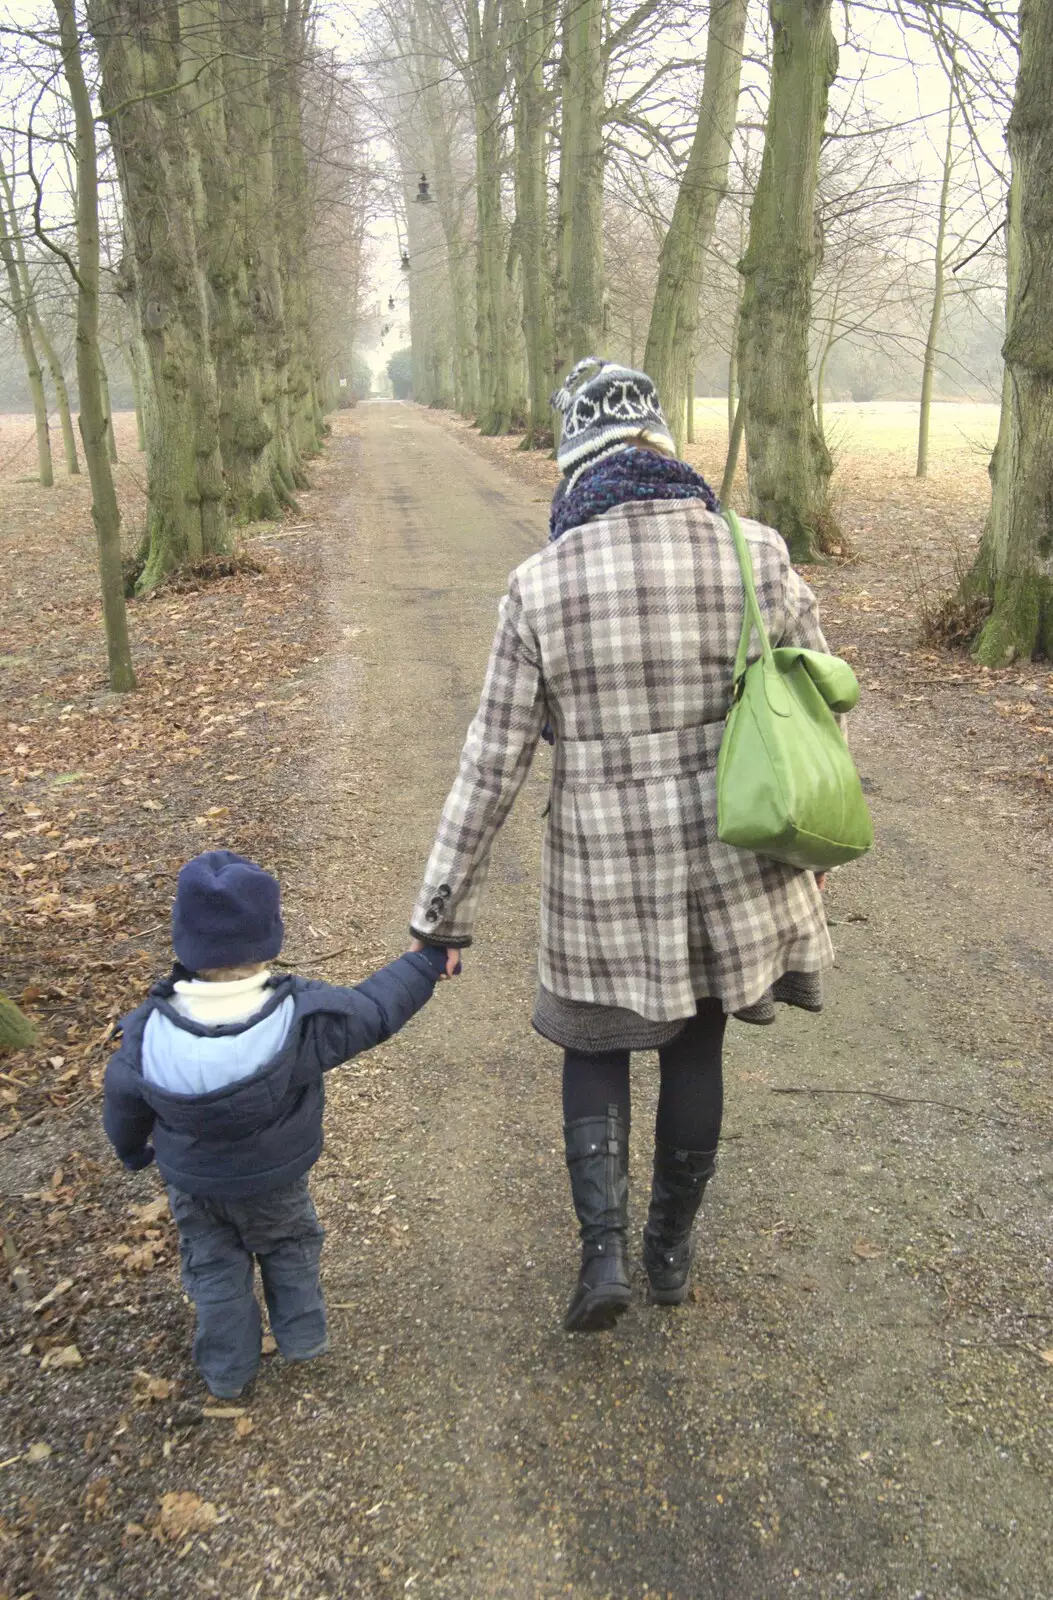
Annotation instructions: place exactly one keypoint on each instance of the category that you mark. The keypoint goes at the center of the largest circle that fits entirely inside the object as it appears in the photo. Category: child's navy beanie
(227, 913)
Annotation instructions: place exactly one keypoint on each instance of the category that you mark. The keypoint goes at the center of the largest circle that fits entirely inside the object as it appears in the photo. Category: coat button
(445, 890)
(431, 916)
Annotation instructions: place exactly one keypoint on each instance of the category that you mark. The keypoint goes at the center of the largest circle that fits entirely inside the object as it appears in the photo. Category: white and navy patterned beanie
(606, 412)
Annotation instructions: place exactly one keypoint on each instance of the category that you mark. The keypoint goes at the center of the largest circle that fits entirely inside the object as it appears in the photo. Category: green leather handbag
(787, 786)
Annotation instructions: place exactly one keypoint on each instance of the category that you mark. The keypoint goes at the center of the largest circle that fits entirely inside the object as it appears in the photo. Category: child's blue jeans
(218, 1240)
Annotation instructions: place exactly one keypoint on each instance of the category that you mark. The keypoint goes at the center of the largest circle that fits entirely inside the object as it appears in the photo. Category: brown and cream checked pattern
(623, 635)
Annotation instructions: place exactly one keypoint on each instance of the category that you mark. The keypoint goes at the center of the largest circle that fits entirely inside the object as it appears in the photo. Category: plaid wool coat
(622, 634)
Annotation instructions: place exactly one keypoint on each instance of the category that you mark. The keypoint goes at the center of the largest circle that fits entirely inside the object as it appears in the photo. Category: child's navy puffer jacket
(264, 1131)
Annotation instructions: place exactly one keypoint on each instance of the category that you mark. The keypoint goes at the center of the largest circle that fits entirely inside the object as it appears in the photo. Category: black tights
(691, 1097)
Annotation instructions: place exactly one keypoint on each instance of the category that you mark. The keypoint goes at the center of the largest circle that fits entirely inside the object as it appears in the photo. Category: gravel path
(857, 1401)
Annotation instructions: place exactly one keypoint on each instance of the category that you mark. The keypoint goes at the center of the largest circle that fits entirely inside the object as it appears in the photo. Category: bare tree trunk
(138, 45)
(733, 372)
(1015, 561)
(449, 202)
(671, 340)
(532, 34)
(733, 355)
(579, 284)
(936, 314)
(104, 508)
(23, 321)
(58, 379)
(487, 81)
(40, 333)
(432, 343)
(131, 357)
(789, 465)
(829, 341)
(734, 446)
(111, 437)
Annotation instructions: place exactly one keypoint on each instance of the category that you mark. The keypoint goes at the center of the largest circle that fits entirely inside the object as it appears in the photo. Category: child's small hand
(453, 957)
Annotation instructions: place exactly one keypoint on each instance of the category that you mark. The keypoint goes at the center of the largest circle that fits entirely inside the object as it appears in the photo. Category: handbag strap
(752, 617)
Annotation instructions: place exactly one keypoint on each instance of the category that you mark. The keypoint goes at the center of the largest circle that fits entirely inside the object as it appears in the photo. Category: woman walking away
(617, 641)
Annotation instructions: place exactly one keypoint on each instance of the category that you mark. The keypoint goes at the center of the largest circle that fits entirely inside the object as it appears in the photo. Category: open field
(960, 433)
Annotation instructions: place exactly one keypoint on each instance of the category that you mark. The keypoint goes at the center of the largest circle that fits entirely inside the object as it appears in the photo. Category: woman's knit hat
(614, 408)
(227, 913)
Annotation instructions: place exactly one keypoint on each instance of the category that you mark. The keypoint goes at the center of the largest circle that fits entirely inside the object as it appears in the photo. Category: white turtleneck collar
(216, 1005)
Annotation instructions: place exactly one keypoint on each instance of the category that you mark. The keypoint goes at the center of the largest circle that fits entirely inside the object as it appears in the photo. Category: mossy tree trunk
(579, 280)
(250, 125)
(531, 35)
(139, 54)
(223, 71)
(672, 337)
(1015, 561)
(286, 24)
(104, 509)
(789, 465)
(928, 367)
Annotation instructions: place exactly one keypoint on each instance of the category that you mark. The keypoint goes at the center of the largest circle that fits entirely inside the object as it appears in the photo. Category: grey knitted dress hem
(596, 1029)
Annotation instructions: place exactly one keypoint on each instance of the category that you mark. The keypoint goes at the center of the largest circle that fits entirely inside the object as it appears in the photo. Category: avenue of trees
(715, 191)
(183, 190)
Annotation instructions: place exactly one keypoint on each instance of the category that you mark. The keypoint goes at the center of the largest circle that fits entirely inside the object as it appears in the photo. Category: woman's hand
(820, 881)
(453, 956)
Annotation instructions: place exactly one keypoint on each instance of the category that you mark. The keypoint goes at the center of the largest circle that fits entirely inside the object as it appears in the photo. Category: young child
(222, 1066)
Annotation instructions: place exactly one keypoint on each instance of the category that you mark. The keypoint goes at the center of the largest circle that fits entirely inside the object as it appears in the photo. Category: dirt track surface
(858, 1401)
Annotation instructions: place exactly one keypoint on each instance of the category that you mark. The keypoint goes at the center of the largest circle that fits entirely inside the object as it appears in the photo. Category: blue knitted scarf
(630, 474)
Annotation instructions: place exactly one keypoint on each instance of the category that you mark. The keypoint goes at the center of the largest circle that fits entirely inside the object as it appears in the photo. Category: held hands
(453, 958)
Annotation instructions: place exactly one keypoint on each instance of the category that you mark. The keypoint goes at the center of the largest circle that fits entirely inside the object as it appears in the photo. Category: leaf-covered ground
(102, 796)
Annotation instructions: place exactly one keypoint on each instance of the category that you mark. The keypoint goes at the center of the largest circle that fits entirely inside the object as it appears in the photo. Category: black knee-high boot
(680, 1178)
(598, 1163)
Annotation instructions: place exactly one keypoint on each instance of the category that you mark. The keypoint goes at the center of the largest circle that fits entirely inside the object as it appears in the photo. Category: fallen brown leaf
(183, 1512)
(866, 1249)
(143, 1259)
(39, 1451)
(96, 1499)
(52, 1295)
(147, 1387)
(243, 1427)
(67, 1356)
